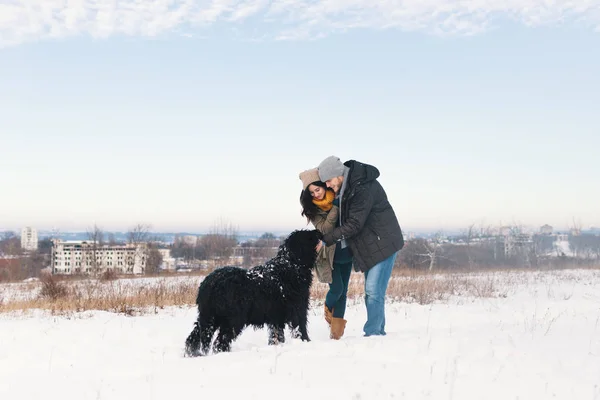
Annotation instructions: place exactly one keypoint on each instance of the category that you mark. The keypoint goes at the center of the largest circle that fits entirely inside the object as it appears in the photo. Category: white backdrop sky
(178, 113)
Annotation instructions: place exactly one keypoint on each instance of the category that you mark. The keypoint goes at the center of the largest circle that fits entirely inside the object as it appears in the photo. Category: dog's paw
(189, 353)
(296, 334)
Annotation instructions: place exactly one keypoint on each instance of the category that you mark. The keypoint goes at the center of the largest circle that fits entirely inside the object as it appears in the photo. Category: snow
(563, 247)
(539, 341)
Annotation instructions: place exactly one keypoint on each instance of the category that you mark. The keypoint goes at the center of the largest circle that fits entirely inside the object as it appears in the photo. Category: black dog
(274, 294)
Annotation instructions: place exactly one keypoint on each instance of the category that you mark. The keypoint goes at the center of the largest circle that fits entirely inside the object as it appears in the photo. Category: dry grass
(136, 296)
(60, 297)
(422, 288)
(52, 288)
(120, 296)
(109, 275)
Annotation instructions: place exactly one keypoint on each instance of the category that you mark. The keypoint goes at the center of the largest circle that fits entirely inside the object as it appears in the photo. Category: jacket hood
(360, 172)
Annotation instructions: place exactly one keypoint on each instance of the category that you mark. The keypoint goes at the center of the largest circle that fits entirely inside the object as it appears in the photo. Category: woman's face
(316, 192)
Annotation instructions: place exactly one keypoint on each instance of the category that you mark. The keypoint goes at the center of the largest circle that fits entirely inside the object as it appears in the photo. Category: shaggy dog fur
(274, 294)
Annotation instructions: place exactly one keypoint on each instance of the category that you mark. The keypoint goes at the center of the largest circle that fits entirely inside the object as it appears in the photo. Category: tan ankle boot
(338, 326)
(328, 314)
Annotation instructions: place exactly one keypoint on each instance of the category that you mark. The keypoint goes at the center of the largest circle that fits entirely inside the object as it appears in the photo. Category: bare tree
(154, 258)
(10, 244)
(433, 249)
(219, 242)
(8, 235)
(96, 234)
(267, 245)
(411, 254)
(489, 231)
(268, 239)
(140, 233)
(188, 252)
(139, 236)
(576, 228)
(90, 254)
(585, 246)
(11, 270)
(153, 261)
(45, 246)
(468, 240)
(262, 249)
(33, 263)
(543, 245)
(112, 240)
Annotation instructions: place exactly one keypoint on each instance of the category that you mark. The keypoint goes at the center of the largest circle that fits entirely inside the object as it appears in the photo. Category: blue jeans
(376, 283)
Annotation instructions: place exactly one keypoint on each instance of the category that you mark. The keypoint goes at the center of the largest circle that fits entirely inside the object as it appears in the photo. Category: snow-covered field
(540, 339)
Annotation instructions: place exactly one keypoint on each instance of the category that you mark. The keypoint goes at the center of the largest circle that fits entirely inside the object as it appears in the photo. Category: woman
(334, 264)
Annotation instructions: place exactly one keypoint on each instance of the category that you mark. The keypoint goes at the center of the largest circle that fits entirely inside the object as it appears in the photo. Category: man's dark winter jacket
(369, 223)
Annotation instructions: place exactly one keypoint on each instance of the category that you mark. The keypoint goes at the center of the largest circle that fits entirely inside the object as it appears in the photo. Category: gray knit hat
(330, 168)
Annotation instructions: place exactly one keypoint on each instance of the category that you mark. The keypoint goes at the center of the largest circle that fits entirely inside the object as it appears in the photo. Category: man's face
(335, 183)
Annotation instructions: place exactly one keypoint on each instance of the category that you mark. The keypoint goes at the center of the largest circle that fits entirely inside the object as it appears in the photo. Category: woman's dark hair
(309, 209)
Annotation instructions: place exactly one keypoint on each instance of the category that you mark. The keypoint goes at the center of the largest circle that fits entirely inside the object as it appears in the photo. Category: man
(368, 226)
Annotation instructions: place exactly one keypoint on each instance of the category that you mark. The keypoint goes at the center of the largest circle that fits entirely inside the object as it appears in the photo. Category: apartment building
(29, 239)
(80, 256)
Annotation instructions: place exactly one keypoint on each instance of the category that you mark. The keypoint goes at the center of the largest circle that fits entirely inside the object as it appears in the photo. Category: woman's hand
(321, 244)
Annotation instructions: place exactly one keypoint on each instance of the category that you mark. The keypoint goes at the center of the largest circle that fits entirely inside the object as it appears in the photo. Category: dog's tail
(192, 343)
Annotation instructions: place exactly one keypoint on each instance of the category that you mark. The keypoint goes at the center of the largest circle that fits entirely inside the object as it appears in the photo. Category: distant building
(168, 263)
(546, 230)
(189, 240)
(81, 256)
(29, 239)
(517, 244)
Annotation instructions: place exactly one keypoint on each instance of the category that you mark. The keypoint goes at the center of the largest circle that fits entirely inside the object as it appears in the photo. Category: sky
(183, 114)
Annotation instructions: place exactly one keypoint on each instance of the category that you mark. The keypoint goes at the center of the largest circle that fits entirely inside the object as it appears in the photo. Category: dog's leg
(293, 324)
(276, 335)
(208, 331)
(224, 338)
(272, 336)
(199, 340)
(303, 331)
(192, 343)
(295, 332)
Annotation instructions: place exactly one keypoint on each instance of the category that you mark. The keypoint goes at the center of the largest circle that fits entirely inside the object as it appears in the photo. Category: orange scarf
(327, 201)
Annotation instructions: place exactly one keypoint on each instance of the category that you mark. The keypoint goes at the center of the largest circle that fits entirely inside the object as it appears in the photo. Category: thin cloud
(23, 21)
